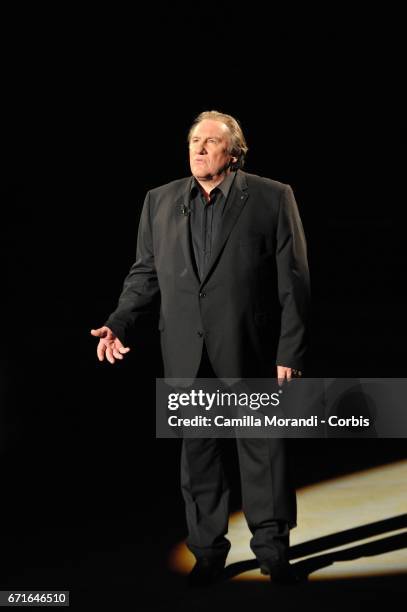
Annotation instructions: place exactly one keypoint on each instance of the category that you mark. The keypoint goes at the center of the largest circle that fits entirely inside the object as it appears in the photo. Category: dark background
(95, 116)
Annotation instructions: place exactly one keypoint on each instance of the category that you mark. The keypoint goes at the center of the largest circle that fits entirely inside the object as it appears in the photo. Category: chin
(200, 172)
(200, 169)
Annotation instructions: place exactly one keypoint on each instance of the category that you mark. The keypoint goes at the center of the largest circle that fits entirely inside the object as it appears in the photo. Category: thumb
(100, 333)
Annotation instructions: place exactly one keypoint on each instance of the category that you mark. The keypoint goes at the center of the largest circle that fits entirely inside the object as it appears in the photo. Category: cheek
(220, 155)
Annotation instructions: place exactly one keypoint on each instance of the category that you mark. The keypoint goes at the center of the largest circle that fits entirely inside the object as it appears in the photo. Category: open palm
(109, 345)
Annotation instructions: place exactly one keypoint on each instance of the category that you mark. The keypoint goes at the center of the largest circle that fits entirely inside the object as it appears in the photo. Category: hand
(109, 344)
(284, 373)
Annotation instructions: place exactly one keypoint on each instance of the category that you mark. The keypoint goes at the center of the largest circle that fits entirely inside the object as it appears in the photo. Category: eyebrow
(207, 138)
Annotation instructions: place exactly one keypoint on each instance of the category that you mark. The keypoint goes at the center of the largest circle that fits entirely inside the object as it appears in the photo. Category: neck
(209, 183)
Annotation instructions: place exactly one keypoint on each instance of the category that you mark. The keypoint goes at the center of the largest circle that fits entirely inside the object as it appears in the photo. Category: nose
(199, 148)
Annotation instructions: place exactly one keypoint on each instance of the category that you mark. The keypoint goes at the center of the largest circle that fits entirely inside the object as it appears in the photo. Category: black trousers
(268, 497)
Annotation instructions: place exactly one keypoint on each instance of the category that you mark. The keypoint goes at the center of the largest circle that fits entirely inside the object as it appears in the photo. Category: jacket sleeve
(140, 287)
(293, 283)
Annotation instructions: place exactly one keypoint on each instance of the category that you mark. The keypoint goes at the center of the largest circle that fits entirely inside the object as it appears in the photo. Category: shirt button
(202, 294)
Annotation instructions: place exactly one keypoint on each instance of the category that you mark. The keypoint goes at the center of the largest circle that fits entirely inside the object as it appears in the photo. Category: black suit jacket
(250, 308)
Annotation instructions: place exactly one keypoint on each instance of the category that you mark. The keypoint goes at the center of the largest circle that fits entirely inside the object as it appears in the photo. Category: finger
(283, 374)
(101, 350)
(123, 349)
(280, 381)
(109, 355)
(120, 346)
(117, 354)
(280, 378)
(100, 333)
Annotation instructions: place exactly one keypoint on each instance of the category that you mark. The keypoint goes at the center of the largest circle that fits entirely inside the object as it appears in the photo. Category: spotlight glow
(328, 508)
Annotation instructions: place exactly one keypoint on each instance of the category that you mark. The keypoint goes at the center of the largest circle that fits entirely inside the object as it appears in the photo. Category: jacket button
(202, 294)
(200, 334)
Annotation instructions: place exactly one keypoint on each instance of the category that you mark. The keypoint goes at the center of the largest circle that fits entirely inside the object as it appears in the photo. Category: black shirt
(205, 219)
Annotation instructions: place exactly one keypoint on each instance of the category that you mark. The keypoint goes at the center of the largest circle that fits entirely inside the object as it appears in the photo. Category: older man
(225, 252)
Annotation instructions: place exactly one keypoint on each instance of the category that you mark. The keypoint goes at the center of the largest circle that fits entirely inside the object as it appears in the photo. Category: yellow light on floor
(329, 510)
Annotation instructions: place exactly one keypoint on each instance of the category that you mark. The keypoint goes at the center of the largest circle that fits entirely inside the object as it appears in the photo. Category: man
(225, 251)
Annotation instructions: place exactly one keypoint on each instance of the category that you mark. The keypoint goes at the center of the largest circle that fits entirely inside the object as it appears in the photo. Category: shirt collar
(224, 186)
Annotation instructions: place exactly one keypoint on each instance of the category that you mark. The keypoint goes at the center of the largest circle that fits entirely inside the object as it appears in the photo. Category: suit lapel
(237, 200)
(183, 230)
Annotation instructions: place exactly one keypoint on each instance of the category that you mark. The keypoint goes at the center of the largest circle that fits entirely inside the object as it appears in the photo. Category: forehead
(211, 127)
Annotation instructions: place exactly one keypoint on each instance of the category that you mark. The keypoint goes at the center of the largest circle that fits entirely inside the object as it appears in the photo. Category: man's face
(208, 149)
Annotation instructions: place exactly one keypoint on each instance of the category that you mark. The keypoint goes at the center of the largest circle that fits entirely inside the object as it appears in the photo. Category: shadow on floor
(307, 566)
